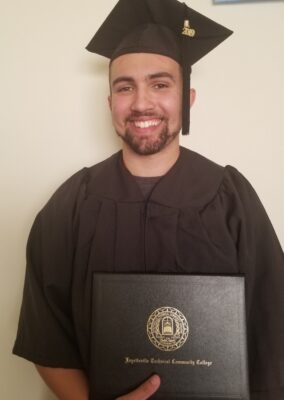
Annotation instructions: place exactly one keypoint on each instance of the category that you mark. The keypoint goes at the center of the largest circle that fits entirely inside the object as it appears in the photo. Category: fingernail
(155, 380)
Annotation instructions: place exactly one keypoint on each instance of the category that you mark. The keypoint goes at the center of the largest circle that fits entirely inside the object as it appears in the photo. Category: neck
(151, 165)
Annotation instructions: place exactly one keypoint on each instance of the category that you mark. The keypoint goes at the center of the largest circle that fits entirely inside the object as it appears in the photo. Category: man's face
(145, 101)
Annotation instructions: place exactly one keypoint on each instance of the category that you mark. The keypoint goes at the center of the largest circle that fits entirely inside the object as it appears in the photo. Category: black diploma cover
(188, 329)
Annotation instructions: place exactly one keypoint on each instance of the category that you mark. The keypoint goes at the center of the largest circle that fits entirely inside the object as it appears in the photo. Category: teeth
(146, 124)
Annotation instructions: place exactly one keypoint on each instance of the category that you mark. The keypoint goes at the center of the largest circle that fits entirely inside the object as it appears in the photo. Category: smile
(147, 124)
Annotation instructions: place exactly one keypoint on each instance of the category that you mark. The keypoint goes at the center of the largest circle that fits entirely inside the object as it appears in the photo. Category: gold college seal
(167, 328)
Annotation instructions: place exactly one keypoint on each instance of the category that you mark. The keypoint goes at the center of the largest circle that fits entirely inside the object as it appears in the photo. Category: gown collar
(192, 181)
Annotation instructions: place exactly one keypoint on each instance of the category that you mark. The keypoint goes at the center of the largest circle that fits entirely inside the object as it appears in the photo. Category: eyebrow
(161, 75)
(122, 79)
(150, 77)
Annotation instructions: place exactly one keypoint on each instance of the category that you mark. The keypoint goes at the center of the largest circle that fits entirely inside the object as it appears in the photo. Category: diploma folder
(188, 329)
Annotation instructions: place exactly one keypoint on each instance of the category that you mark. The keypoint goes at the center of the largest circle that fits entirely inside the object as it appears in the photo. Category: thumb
(145, 390)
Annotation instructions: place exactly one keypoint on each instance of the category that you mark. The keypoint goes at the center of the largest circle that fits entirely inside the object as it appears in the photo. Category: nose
(142, 100)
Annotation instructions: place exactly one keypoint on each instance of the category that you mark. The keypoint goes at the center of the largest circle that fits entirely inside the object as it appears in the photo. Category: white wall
(54, 120)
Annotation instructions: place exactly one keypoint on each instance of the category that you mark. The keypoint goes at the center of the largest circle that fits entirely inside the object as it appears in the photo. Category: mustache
(137, 114)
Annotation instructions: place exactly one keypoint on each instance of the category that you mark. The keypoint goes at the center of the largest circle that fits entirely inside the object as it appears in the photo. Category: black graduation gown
(200, 218)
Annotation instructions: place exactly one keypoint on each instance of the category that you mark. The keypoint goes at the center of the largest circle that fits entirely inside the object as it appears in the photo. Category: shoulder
(104, 166)
(236, 185)
(63, 207)
(197, 161)
(208, 181)
(76, 187)
(58, 220)
(215, 177)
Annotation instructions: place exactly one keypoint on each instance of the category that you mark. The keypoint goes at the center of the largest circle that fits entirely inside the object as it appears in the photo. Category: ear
(109, 102)
(192, 96)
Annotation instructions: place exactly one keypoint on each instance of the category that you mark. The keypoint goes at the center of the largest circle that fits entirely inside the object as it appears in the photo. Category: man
(153, 207)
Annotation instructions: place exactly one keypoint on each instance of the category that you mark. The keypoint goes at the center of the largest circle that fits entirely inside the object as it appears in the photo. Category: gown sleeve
(260, 258)
(46, 334)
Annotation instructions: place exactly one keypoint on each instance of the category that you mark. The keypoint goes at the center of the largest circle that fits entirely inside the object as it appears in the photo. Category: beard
(144, 145)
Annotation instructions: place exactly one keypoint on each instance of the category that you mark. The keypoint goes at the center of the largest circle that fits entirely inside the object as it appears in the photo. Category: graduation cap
(165, 27)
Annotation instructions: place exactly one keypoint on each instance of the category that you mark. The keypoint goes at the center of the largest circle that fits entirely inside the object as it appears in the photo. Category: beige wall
(54, 120)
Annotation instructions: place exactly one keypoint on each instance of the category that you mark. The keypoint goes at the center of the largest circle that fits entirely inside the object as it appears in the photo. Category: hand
(144, 391)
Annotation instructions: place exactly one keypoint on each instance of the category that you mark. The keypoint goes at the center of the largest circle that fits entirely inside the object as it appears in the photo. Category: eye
(161, 85)
(124, 89)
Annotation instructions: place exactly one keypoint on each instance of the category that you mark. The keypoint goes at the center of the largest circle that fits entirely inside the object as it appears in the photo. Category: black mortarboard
(165, 27)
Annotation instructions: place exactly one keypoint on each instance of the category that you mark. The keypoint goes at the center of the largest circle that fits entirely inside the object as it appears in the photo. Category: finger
(144, 391)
